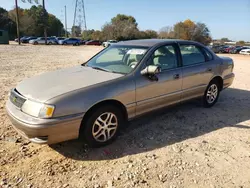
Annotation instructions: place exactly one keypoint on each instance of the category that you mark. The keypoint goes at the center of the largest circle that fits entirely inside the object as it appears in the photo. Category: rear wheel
(211, 94)
(102, 126)
(77, 44)
(35, 43)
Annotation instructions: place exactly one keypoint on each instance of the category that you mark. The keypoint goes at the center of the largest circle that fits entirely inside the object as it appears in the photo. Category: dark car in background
(83, 42)
(217, 48)
(93, 42)
(72, 41)
(60, 38)
(26, 40)
(237, 50)
(52, 40)
(22, 38)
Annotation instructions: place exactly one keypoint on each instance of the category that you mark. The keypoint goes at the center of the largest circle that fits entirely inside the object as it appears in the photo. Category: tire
(35, 43)
(92, 130)
(50, 43)
(65, 43)
(77, 44)
(210, 100)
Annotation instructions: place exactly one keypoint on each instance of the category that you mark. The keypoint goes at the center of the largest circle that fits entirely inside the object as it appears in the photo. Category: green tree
(55, 26)
(26, 22)
(223, 40)
(7, 24)
(121, 27)
(33, 20)
(241, 43)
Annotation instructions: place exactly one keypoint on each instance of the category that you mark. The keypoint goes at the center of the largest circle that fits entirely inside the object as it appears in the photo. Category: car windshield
(118, 59)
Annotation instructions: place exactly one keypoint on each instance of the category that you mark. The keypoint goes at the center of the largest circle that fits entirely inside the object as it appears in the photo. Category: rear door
(197, 71)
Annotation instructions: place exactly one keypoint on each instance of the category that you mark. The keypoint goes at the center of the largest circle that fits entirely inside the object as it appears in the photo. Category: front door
(166, 89)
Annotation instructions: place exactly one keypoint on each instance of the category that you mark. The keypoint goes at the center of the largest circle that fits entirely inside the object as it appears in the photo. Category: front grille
(16, 98)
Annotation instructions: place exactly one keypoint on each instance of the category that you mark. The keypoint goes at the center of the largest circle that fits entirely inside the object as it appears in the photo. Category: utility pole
(17, 23)
(66, 32)
(45, 27)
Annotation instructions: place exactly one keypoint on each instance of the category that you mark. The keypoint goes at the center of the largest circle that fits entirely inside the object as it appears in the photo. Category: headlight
(37, 109)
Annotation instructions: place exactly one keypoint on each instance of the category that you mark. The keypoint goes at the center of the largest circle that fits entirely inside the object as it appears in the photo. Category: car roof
(149, 42)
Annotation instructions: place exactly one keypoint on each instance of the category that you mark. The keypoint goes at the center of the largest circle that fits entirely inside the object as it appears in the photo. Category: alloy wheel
(212, 93)
(105, 127)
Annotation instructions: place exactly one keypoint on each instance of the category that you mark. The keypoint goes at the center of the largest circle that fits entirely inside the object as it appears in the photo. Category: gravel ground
(183, 146)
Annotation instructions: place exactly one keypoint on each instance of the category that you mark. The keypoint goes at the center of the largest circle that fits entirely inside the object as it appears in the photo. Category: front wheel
(211, 94)
(102, 126)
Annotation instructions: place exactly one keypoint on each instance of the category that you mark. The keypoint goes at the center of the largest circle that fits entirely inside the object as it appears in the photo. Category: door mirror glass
(151, 70)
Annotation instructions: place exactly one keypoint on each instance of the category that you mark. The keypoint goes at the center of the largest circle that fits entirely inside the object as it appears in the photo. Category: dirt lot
(184, 146)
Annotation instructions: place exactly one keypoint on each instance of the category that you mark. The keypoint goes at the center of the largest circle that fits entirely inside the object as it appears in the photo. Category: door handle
(176, 76)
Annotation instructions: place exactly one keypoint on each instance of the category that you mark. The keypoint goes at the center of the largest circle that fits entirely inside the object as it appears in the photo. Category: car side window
(208, 54)
(191, 54)
(165, 57)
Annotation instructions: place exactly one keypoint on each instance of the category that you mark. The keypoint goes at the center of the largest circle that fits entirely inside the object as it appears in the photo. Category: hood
(49, 85)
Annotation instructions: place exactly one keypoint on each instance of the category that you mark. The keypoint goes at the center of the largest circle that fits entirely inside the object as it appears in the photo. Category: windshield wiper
(106, 70)
(100, 68)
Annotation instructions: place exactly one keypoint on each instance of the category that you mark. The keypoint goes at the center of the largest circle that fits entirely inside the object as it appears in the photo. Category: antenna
(79, 17)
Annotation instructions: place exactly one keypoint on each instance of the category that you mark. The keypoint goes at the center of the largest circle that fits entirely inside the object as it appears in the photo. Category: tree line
(31, 22)
(121, 27)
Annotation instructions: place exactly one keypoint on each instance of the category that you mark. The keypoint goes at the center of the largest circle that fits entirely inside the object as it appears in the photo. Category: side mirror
(151, 70)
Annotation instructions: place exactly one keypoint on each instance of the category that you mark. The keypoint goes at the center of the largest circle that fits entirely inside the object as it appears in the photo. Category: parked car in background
(93, 42)
(83, 42)
(237, 50)
(52, 40)
(72, 41)
(24, 37)
(60, 38)
(216, 48)
(41, 40)
(108, 43)
(26, 40)
(94, 100)
(245, 51)
(228, 49)
(224, 49)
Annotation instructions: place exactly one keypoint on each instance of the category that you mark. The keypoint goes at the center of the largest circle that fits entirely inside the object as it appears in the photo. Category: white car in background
(245, 52)
(41, 40)
(109, 42)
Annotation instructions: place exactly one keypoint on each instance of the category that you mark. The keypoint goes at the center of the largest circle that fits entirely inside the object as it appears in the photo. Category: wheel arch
(113, 102)
(219, 80)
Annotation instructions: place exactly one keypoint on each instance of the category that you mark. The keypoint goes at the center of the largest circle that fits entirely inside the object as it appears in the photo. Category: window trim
(206, 56)
(197, 46)
(175, 46)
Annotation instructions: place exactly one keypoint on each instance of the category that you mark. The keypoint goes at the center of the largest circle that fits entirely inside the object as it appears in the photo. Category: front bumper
(44, 131)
